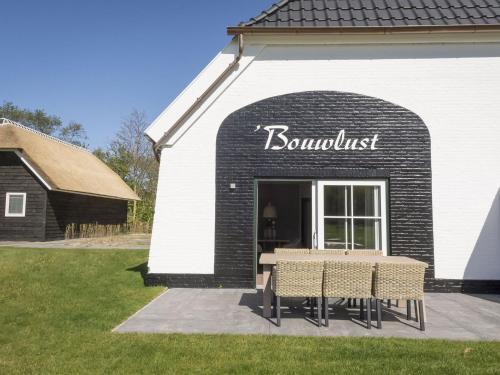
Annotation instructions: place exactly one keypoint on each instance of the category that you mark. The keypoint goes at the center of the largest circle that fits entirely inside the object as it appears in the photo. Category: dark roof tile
(386, 13)
(421, 14)
(371, 16)
(332, 14)
(429, 4)
(460, 14)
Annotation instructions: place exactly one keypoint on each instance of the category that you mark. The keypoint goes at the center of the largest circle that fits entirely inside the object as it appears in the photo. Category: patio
(238, 311)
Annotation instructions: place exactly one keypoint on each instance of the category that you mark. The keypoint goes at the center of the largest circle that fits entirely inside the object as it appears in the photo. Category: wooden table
(268, 260)
(273, 243)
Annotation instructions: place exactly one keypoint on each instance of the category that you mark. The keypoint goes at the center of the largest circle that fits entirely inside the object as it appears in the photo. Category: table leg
(267, 292)
(417, 314)
(425, 312)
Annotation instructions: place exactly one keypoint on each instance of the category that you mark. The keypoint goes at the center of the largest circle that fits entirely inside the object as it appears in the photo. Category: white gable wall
(452, 87)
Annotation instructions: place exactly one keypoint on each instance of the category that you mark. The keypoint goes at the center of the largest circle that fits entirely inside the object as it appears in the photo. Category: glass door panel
(337, 233)
(337, 200)
(367, 234)
(366, 200)
(351, 215)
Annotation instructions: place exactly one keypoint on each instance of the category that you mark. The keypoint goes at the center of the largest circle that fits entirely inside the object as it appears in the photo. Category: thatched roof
(62, 166)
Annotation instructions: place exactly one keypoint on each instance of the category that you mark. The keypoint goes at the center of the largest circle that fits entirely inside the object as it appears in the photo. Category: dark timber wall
(64, 209)
(16, 178)
(48, 212)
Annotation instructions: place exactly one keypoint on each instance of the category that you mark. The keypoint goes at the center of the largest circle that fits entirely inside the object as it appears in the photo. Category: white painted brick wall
(453, 88)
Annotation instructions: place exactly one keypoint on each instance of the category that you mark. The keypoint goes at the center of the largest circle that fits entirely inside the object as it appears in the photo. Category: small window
(15, 204)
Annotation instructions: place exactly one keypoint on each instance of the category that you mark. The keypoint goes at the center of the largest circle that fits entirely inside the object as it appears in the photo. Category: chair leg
(326, 302)
(320, 321)
(408, 309)
(421, 315)
(278, 311)
(361, 309)
(369, 313)
(389, 304)
(354, 302)
(379, 313)
(348, 303)
(417, 315)
(311, 311)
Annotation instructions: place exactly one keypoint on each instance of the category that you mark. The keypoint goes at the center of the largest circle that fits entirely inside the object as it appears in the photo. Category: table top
(271, 258)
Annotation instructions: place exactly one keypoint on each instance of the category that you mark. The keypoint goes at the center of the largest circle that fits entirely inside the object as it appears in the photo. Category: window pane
(366, 200)
(367, 234)
(15, 204)
(335, 233)
(335, 200)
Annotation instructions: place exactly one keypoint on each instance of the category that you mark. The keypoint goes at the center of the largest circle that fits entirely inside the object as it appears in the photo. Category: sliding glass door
(352, 215)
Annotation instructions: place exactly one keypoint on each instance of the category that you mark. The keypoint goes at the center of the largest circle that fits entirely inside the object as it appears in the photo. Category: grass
(57, 309)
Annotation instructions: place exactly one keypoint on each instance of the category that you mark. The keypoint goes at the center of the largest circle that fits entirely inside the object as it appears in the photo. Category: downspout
(157, 146)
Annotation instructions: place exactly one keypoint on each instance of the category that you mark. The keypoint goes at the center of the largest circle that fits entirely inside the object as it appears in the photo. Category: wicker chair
(282, 250)
(365, 252)
(326, 252)
(297, 279)
(362, 252)
(343, 279)
(401, 282)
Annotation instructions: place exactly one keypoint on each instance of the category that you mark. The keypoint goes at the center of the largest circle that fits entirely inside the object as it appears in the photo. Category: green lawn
(57, 309)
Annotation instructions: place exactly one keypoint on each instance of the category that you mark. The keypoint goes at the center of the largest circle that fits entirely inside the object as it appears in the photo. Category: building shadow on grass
(142, 269)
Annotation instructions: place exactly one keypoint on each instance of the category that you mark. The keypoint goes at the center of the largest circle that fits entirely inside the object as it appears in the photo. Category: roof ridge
(273, 8)
(6, 121)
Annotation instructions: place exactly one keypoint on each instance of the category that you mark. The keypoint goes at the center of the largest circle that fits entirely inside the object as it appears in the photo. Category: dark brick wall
(209, 281)
(193, 281)
(16, 178)
(403, 157)
(463, 286)
(64, 209)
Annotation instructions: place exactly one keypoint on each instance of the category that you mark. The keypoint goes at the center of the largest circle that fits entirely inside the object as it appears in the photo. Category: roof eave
(236, 30)
(121, 198)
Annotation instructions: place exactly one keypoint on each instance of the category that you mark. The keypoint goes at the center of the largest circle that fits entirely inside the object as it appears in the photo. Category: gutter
(200, 100)
(239, 30)
(153, 146)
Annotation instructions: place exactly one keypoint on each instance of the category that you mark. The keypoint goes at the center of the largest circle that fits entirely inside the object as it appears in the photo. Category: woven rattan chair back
(298, 278)
(327, 252)
(365, 252)
(347, 279)
(282, 250)
(399, 281)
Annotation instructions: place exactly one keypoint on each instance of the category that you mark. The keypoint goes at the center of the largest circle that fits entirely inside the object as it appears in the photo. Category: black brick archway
(402, 156)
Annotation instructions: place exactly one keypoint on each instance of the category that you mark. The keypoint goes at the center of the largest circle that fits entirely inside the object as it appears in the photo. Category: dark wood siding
(15, 177)
(64, 209)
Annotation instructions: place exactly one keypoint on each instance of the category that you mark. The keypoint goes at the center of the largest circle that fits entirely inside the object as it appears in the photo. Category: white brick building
(437, 66)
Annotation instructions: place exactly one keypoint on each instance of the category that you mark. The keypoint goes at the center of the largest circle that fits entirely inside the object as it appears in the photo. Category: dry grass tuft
(104, 230)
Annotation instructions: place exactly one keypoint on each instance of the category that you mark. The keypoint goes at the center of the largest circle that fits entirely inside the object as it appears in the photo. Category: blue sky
(95, 61)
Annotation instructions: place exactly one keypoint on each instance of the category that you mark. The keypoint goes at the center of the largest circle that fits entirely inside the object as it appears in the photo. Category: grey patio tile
(238, 311)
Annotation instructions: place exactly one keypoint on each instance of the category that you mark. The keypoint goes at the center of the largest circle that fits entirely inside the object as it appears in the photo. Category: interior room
(284, 216)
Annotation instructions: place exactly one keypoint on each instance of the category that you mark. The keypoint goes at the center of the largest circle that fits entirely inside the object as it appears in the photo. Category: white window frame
(382, 216)
(7, 205)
